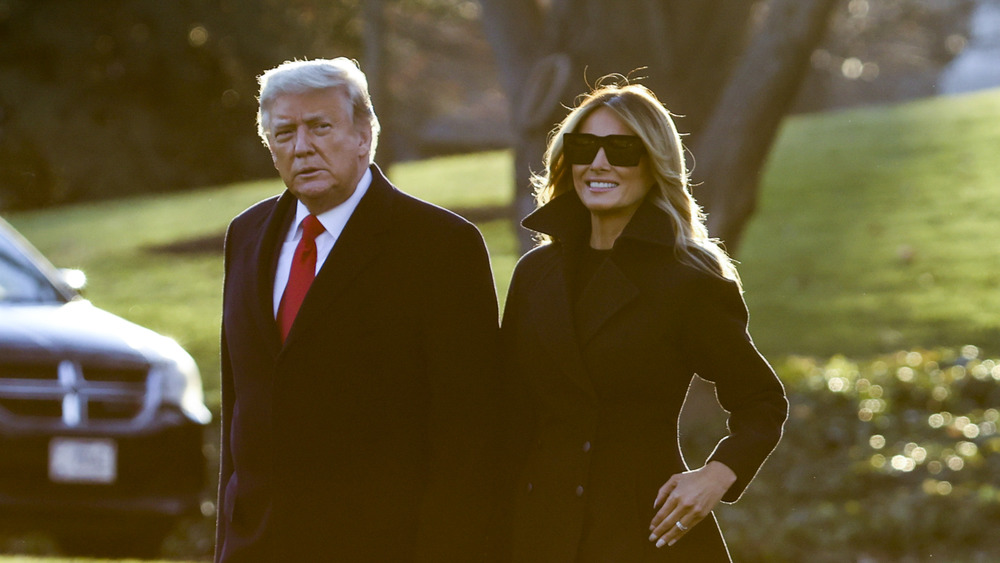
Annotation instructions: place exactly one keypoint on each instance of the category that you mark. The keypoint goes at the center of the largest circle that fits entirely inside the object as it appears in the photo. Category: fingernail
(661, 542)
(652, 537)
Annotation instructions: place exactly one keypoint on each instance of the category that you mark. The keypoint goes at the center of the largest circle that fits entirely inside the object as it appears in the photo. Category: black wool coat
(366, 436)
(600, 384)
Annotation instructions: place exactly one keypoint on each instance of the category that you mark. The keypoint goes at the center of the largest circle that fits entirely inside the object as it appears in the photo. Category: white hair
(296, 77)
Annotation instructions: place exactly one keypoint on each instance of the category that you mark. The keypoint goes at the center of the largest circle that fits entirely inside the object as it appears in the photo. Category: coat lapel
(554, 322)
(358, 245)
(610, 290)
(266, 253)
(607, 293)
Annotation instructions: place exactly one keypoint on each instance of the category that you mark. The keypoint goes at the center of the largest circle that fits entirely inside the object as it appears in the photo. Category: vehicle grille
(73, 395)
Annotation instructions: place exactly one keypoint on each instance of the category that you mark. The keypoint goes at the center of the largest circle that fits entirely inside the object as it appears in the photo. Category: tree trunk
(515, 31)
(376, 70)
(682, 50)
(732, 151)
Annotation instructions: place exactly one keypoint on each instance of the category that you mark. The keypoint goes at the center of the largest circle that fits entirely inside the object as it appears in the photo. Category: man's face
(316, 148)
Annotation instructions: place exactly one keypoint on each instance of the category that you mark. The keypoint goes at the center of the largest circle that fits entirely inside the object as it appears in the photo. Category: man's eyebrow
(309, 118)
(313, 118)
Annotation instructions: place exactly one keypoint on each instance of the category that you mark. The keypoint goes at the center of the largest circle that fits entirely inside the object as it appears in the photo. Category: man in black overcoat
(358, 350)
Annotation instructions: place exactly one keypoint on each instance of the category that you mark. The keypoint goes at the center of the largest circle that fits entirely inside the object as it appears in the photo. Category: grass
(179, 294)
(30, 559)
(872, 233)
(875, 232)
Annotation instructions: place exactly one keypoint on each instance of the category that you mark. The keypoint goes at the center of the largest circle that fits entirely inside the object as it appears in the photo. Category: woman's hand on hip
(686, 499)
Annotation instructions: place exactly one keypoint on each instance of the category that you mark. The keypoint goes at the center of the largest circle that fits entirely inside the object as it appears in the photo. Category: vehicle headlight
(180, 385)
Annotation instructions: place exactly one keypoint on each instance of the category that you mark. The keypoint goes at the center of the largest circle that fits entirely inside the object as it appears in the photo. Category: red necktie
(301, 276)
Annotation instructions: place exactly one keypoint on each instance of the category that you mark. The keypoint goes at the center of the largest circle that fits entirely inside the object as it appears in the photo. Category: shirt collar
(333, 220)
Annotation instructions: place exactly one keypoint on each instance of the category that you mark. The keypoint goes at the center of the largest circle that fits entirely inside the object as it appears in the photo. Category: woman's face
(609, 191)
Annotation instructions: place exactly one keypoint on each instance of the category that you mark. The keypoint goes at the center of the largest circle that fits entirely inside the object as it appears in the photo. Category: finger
(664, 492)
(667, 531)
(669, 534)
(676, 532)
(667, 507)
(666, 522)
(688, 513)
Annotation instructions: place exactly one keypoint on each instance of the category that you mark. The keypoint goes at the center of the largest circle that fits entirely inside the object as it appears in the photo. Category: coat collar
(267, 249)
(567, 220)
(566, 327)
(354, 249)
(358, 244)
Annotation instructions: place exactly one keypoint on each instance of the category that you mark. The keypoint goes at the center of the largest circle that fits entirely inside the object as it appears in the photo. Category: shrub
(894, 459)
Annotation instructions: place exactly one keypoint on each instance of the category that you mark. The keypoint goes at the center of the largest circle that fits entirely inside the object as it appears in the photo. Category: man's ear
(365, 147)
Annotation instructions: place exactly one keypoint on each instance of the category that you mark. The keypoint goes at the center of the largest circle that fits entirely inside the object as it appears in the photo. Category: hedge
(895, 459)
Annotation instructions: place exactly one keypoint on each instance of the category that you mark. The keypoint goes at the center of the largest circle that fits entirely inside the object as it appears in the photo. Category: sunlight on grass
(476, 180)
(119, 244)
(28, 559)
(874, 231)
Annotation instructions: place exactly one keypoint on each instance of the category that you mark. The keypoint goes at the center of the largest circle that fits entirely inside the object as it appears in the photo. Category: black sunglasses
(621, 150)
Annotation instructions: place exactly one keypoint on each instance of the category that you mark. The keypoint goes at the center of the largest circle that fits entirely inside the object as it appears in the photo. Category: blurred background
(847, 151)
(118, 97)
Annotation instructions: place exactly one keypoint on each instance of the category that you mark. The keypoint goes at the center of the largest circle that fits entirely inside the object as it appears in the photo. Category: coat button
(579, 491)
(586, 446)
(530, 486)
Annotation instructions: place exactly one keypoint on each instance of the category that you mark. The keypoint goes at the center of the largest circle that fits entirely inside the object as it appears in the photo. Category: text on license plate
(83, 460)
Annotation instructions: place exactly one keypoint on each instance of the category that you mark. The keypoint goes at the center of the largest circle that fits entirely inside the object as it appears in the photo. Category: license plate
(83, 460)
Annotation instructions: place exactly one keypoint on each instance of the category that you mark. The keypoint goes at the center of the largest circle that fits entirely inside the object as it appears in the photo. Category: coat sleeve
(461, 345)
(718, 348)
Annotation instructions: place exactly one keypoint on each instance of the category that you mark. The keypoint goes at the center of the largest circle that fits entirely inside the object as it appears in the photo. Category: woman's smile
(601, 185)
(611, 193)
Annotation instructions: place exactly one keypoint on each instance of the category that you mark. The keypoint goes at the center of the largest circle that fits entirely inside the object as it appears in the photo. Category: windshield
(20, 280)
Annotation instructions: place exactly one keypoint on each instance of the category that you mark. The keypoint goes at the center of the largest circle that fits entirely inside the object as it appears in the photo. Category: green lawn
(30, 559)
(875, 231)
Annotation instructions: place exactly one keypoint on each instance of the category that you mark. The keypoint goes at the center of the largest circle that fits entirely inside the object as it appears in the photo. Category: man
(358, 350)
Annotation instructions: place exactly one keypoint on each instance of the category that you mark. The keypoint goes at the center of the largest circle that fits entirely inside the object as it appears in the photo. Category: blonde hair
(640, 110)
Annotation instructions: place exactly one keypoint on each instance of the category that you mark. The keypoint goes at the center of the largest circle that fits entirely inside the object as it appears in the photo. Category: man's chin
(311, 187)
(320, 196)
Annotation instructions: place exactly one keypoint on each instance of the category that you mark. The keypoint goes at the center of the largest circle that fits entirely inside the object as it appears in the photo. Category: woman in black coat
(605, 325)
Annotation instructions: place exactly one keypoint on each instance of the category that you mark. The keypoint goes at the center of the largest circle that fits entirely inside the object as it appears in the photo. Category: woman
(605, 325)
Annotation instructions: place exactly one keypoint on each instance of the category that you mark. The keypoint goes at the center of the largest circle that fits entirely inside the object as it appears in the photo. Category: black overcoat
(364, 437)
(604, 379)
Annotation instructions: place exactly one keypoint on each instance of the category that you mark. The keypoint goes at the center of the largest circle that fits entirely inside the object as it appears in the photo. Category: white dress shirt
(333, 221)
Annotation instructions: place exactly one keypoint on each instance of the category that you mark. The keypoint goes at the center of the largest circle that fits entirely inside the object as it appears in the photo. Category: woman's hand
(686, 499)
